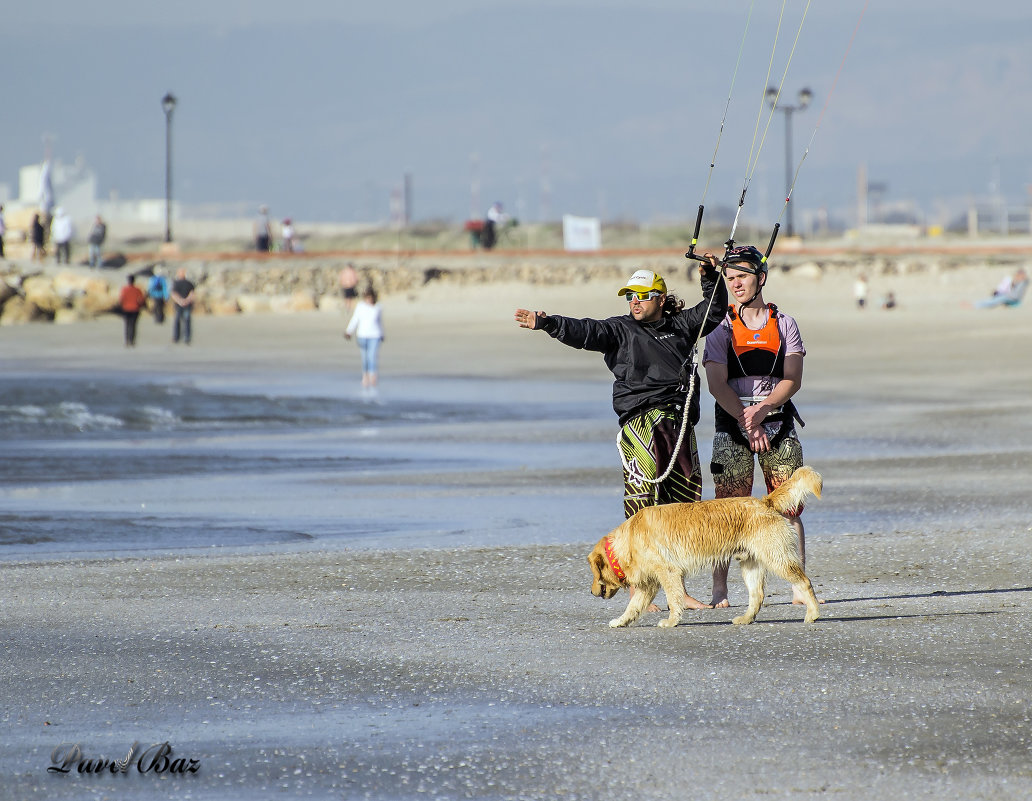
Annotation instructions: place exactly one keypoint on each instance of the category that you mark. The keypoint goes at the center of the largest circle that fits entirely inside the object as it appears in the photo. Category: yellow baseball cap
(644, 281)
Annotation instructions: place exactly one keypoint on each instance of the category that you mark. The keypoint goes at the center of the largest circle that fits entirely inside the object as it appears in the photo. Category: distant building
(75, 189)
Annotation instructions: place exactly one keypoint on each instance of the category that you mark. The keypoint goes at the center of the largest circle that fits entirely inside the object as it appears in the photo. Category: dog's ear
(603, 583)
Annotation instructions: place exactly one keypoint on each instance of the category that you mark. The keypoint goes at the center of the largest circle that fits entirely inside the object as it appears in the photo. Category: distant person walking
(263, 231)
(97, 235)
(63, 231)
(39, 237)
(3, 230)
(157, 289)
(367, 325)
(349, 285)
(131, 301)
(183, 298)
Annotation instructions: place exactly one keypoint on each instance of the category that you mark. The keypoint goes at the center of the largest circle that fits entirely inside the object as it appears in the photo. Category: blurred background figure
(496, 218)
(38, 235)
(131, 301)
(1005, 286)
(860, 290)
(288, 236)
(183, 296)
(97, 235)
(262, 231)
(157, 289)
(63, 231)
(367, 326)
(1009, 292)
(348, 285)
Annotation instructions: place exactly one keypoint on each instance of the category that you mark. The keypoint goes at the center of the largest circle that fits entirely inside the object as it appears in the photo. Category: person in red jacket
(131, 301)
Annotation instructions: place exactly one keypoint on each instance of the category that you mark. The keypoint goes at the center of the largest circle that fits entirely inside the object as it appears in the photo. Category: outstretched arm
(586, 334)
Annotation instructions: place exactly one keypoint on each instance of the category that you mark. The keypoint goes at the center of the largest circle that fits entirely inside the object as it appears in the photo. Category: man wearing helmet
(754, 365)
(650, 352)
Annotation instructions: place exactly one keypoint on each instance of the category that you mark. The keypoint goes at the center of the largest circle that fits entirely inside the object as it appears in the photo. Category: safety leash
(677, 448)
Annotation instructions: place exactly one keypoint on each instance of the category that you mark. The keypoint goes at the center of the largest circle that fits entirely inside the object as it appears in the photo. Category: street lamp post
(802, 101)
(168, 104)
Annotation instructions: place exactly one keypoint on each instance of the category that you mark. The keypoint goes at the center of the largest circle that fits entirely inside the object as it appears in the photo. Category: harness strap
(787, 415)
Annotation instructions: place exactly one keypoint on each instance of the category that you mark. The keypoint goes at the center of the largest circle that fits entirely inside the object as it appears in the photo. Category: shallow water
(107, 466)
(104, 465)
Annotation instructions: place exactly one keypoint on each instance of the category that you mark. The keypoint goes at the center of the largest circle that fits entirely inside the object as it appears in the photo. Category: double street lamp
(168, 104)
(802, 101)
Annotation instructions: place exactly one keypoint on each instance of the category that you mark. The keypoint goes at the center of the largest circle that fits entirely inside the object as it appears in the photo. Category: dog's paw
(742, 620)
(810, 618)
(617, 623)
(667, 623)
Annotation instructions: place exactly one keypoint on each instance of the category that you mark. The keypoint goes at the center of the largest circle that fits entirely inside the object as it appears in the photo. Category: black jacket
(646, 358)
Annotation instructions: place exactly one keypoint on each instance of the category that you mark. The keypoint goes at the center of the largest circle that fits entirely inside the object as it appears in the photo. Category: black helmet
(747, 259)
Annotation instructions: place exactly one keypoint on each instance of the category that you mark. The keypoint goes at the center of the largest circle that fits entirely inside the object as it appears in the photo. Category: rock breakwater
(240, 285)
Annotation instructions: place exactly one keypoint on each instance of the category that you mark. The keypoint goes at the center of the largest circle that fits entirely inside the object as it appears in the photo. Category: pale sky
(587, 107)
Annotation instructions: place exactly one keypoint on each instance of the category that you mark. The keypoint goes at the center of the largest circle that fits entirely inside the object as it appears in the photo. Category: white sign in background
(581, 233)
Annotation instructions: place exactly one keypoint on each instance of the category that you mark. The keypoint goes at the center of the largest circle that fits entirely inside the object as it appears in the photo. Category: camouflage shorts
(733, 465)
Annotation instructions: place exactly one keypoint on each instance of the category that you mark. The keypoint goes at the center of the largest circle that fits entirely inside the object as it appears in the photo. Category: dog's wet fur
(660, 545)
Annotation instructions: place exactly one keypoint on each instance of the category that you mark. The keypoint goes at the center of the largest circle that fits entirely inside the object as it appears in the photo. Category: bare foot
(691, 603)
(720, 600)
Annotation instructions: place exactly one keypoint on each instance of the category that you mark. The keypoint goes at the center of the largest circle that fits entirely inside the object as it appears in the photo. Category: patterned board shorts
(647, 443)
(733, 464)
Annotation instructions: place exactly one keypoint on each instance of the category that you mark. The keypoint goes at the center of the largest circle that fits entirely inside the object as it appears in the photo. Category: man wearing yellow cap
(649, 352)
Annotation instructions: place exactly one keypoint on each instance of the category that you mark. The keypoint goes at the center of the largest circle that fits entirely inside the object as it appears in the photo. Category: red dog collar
(615, 565)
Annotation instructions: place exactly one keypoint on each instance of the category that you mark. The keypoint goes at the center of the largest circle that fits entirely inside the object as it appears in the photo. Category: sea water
(109, 465)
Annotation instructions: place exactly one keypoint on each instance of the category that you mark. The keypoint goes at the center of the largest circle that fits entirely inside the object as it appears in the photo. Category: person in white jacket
(63, 230)
(367, 326)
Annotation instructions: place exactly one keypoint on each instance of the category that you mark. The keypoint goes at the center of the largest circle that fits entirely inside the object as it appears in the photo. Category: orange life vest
(757, 351)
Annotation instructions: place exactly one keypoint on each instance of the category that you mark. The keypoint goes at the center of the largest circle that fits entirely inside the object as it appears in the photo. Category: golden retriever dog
(660, 545)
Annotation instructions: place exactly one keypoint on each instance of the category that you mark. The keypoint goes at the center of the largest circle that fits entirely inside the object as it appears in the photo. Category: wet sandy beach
(489, 671)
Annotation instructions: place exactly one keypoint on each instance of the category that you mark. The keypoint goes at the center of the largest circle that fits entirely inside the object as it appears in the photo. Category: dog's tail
(790, 496)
